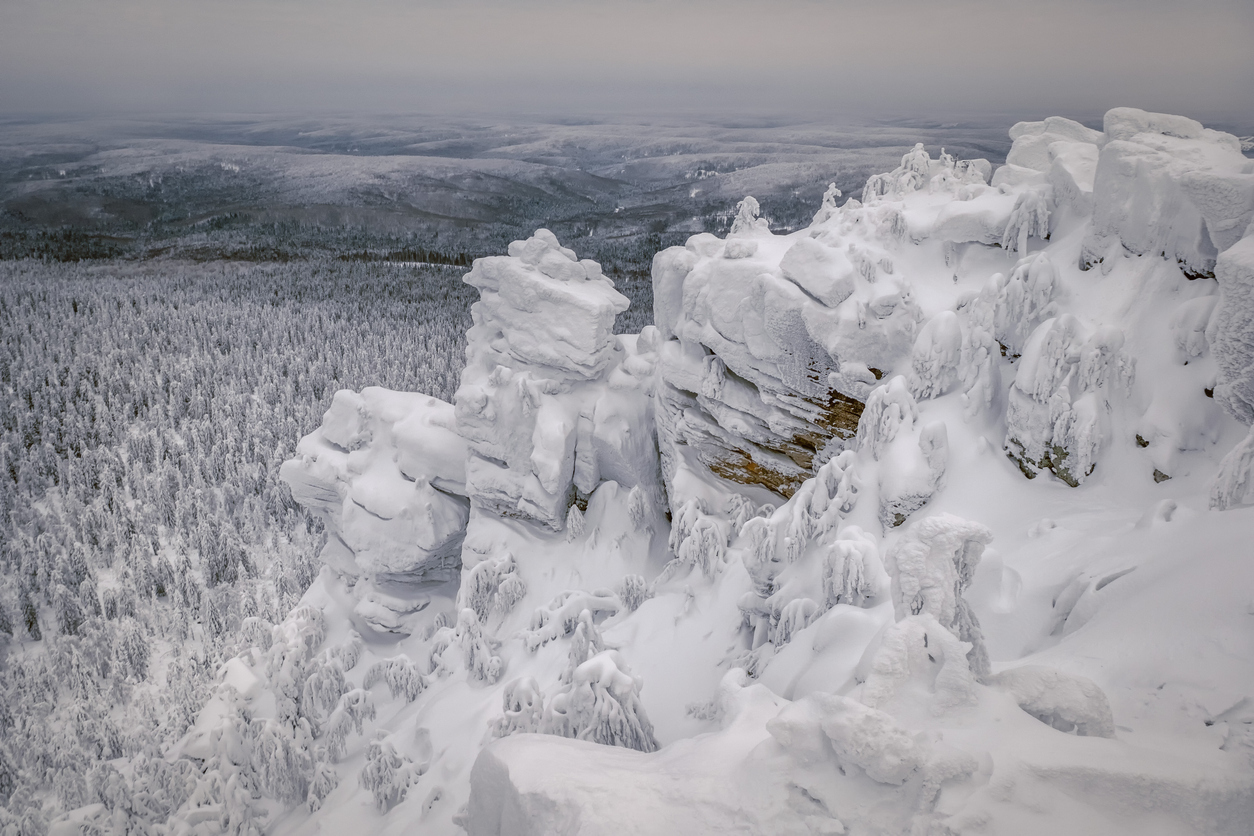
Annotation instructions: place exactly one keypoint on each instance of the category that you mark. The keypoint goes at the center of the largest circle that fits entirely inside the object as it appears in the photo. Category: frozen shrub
(492, 586)
(633, 591)
(602, 704)
(522, 708)
(387, 774)
(402, 677)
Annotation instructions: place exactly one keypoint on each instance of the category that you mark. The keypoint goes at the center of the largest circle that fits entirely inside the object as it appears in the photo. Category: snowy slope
(933, 517)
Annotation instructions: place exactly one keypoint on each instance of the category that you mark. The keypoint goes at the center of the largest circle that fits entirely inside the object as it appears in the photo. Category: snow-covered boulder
(978, 215)
(860, 737)
(918, 663)
(1065, 702)
(1033, 141)
(541, 307)
(1165, 185)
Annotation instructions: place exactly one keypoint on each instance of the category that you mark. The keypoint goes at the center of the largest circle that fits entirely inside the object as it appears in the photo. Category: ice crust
(773, 565)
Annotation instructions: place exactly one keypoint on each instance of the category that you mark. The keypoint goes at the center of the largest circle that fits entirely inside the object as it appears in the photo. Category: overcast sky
(796, 56)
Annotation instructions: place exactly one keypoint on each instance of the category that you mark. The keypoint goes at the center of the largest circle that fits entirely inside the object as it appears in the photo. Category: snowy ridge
(773, 566)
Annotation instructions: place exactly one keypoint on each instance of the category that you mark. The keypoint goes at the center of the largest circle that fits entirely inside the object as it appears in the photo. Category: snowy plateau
(933, 517)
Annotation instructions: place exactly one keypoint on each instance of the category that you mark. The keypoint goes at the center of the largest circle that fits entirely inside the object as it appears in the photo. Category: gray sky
(798, 56)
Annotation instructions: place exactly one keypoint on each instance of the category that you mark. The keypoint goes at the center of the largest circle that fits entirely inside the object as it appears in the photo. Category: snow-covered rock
(386, 472)
(1165, 185)
(1034, 141)
(1234, 483)
(550, 397)
(1067, 703)
(774, 343)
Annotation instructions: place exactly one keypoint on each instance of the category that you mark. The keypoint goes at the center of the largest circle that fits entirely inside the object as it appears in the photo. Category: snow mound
(1067, 703)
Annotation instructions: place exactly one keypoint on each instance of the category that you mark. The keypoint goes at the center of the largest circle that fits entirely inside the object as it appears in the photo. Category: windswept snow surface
(905, 522)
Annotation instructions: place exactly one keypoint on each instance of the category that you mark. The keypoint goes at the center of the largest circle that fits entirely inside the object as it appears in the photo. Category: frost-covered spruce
(522, 708)
(847, 568)
(403, 678)
(562, 615)
(602, 704)
(480, 660)
(493, 586)
(324, 781)
(931, 567)
(912, 456)
(1056, 417)
(351, 713)
(324, 685)
(638, 508)
(387, 774)
(633, 590)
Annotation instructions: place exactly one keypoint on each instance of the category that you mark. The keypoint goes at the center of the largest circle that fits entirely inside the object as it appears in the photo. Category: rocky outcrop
(551, 401)
(772, 343)
(386, 472)
(1165, 185)
(551, 404)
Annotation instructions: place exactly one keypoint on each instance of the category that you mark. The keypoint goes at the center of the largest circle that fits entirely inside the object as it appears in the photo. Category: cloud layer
(893, 56)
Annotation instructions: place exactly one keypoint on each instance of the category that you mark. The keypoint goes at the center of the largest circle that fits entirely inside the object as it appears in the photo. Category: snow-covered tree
(633, 590)
(522, 708)
(602, 704)
(387, 774)
(401, 675)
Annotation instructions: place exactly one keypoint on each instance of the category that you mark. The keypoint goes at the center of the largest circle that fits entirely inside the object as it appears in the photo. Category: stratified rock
(774, 342)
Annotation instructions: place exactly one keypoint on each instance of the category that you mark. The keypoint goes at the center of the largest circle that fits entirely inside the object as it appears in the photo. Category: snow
(900, 523)
(1034, 141)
